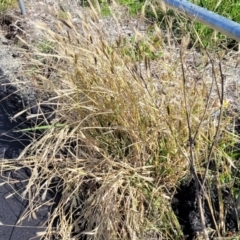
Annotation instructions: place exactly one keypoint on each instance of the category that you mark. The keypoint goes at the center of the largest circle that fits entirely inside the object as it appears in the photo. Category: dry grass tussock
(128, 127)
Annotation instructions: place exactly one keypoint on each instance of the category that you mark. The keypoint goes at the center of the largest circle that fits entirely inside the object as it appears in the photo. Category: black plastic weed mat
(12, 206)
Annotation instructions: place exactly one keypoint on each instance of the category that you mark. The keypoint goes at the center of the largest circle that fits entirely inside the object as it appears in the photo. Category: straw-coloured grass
(129, 128)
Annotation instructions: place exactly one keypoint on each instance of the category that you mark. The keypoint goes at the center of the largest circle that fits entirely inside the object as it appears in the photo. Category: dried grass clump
(123, 132)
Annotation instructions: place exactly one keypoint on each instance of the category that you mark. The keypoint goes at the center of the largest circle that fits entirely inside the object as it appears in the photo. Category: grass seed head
(123, 140)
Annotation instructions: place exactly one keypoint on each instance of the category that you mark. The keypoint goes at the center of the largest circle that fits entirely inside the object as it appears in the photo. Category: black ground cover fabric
(12, 205)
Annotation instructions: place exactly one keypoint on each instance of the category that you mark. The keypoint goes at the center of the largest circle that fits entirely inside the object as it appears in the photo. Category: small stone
(15, 55)
(4, 40)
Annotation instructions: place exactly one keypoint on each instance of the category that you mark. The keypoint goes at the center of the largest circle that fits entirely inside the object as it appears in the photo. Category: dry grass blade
(130, 129)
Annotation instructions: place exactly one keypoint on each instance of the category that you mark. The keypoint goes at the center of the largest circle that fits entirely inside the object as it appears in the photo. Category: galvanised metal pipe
(211, 19)
(22, 7)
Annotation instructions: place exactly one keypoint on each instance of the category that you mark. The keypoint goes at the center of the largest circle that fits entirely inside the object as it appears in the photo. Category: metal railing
(22, 7)
(211, 19)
